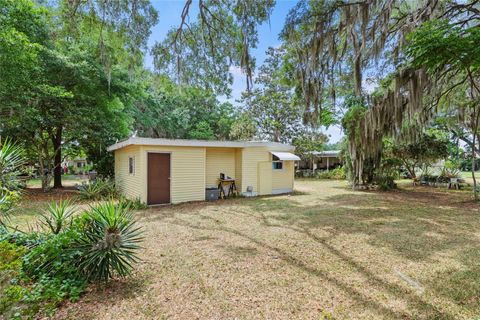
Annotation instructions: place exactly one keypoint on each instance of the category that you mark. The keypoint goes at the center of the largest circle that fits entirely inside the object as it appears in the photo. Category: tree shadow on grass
(239, 250)
(463, 285)
(403, 221)
(413, 230)
(393, 220)
(355, 294)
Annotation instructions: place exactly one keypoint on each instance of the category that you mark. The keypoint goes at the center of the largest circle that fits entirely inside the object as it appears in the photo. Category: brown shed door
(158, 178)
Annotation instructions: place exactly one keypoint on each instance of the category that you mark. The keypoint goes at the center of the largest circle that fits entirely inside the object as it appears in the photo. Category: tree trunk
(45, 173)
(474, 94)
(475, 129)
(57, 160)
(411, 169)
(475, 191)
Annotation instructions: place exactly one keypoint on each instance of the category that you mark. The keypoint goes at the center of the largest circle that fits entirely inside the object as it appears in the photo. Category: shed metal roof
(330, 153)
(198, 143)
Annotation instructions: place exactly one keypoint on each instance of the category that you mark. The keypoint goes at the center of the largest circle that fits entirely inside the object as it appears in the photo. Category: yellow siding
(187, 166)
(194, 168)
(283, 179)
(264, 178)
(219, 160)
(238, 169)
(250, 158)
(187, 179)
(130, 185)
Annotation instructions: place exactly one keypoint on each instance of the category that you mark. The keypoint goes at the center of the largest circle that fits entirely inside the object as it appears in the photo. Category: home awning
(285, 156)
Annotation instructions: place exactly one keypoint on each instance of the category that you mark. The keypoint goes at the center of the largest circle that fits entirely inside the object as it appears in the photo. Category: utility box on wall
(212, 194)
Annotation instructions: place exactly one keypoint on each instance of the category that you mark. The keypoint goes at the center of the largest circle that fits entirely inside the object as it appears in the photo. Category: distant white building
(76, 165)
(322, 160)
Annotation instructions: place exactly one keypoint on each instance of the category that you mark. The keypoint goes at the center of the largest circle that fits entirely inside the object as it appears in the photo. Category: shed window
(131, 165)
(277, 165)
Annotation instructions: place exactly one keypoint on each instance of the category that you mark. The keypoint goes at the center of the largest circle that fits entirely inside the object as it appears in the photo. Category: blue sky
(169, 16)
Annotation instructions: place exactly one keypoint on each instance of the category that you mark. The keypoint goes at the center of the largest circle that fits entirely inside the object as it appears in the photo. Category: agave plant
(57, 215)
(110, 242)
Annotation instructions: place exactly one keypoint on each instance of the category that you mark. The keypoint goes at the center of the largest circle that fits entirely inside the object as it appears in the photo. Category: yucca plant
(12, 160)
(90, 191)
(57, 215)
(108, 188)
(5, 208)
(101, 188)
(110, 242)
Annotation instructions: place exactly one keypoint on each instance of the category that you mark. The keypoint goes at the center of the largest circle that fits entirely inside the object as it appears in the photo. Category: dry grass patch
(325, 252)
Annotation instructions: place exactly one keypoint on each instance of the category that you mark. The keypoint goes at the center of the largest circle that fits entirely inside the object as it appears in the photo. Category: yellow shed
(161, 171)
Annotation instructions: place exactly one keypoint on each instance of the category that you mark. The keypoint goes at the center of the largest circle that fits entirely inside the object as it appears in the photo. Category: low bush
(28, 240)
(11, 293)
(135, 204)
(8, 198)
(48, 268)
(335, 174)
(385, 182)
(98, 189)
(90, 191)
(109, 190)
(448, 173)
(54, 257)
(54, 276)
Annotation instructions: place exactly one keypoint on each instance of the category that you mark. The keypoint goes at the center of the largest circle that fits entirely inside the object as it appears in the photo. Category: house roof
(198, 143)
(330, 153)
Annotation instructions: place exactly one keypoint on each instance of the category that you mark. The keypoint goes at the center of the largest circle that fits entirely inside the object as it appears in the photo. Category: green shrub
(108, 187)
(47, 292)
(38, 271)
(89, 191)
(10, 292)
(109, 242)
(10, 255)
(57, 215)
(336, 174)
(54, 257)
(447, 173)
(98, 189)
(8, 199)
(53, 271)
(28, 240)
(385, 182)
(38, 279)
(135, 204)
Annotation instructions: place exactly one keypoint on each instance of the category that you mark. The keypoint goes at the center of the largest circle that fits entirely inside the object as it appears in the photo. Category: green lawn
(325, 252)
(67, 181)
(467, 175)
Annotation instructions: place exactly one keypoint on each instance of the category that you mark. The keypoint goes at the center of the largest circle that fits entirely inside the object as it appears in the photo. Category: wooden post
(328, 163)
